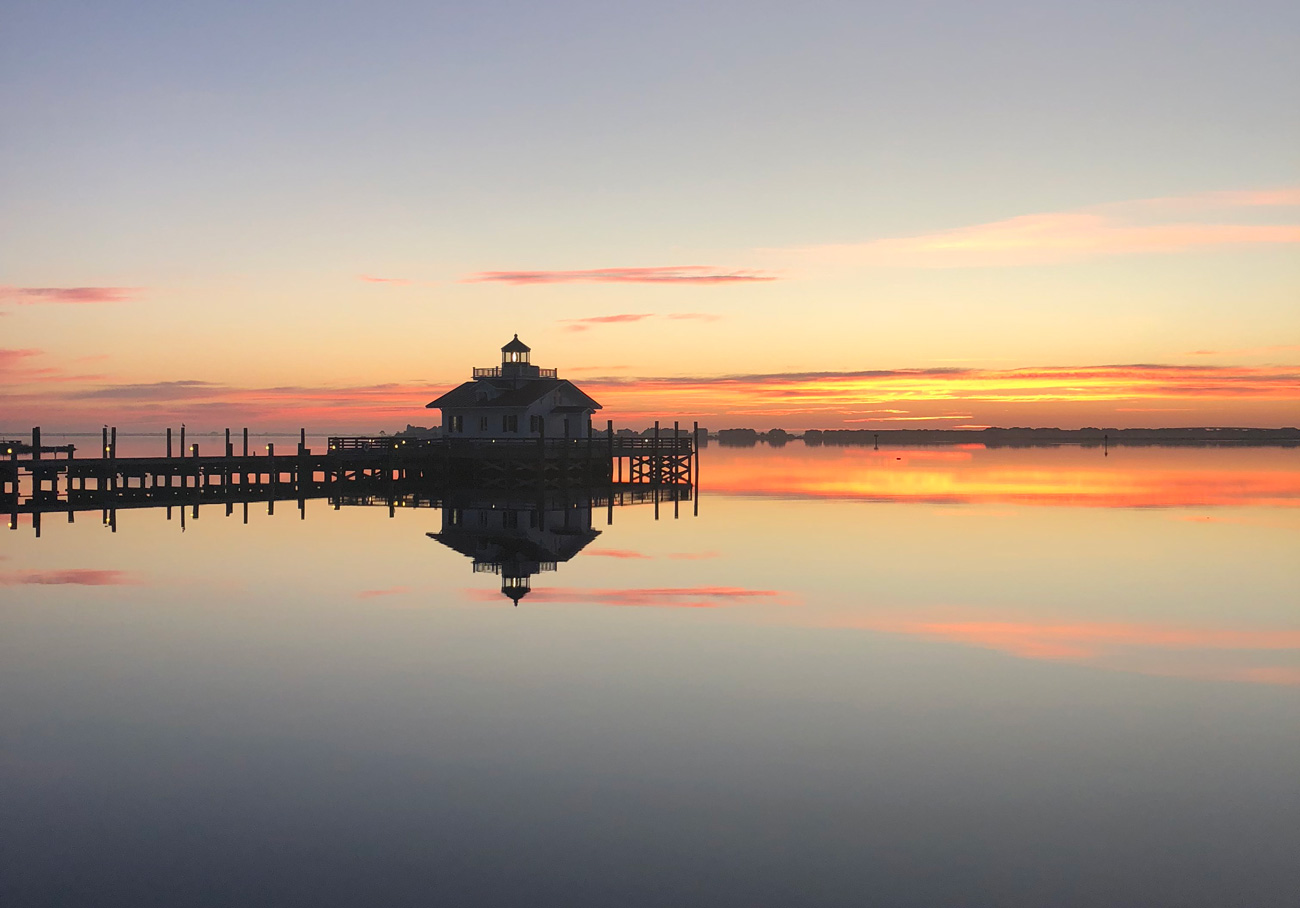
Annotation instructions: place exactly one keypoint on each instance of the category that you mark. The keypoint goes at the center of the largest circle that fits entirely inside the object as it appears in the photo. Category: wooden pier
(37, 479)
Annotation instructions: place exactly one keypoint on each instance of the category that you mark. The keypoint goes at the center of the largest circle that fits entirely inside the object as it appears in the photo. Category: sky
(854, 214)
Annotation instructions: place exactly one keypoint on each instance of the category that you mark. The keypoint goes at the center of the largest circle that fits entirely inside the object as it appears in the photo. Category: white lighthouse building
(515, 400)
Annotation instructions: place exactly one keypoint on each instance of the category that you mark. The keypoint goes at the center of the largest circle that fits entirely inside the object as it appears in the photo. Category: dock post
(302, 441)
(103, 448)
(609, 431)
(245, 441)
(182, 439)
(230, 449)
(695, 476)
(36, 443)
(169, 441)
(655, 466)
(112, 442)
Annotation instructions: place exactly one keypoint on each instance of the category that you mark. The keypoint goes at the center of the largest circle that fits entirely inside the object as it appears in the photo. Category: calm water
(905, 677)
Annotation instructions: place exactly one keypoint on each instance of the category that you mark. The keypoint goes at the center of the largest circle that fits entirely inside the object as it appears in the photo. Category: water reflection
(972, 474)
(815, 698)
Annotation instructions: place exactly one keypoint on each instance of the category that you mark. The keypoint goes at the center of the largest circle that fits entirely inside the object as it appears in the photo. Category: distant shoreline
(993, 437)
(1021, 437)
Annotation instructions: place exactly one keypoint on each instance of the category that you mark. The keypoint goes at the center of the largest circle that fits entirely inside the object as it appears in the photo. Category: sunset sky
(758, 214)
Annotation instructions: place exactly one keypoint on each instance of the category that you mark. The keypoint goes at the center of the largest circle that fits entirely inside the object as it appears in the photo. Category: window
(482, 424)
(458, 424)
(536, 424)
(509, 423)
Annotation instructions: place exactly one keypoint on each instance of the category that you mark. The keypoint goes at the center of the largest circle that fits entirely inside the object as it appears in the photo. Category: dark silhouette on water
(516, 400)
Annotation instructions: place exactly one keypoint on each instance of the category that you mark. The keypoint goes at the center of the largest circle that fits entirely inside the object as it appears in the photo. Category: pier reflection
(514, 533)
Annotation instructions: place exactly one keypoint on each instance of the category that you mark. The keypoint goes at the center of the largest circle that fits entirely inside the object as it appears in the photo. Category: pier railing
(495, 372)
(621, 446)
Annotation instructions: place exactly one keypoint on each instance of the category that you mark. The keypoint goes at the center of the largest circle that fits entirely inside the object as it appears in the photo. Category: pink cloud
(681, 274)
(615, 553)
(10, 358)
(35, 295)
(582, 324)
(372, 279)
(74, 576)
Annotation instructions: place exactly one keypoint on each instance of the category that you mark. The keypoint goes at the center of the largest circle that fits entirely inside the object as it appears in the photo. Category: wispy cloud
(676, 274)
(77, 295)
(1247, 351)
(906, 418)
(583, 324)
(844, 394)
(73, 576)
(185, 389)
(372, 279)
(1120, 228)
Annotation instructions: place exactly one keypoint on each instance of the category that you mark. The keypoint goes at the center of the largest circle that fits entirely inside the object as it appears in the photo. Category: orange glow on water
(1129, 477)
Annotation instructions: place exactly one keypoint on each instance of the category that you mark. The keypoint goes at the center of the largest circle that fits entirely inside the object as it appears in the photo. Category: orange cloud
(840, 397)
(44, 395)
(372, 279)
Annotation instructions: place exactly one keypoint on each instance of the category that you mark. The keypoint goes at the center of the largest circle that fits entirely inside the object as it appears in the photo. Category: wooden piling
(655, 466)
(169, 441)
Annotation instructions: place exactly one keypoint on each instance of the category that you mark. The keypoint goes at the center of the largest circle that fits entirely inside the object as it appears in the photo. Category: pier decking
(402, 472)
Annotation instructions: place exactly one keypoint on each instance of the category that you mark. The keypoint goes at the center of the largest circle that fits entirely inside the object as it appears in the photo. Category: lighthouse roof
(516, 346)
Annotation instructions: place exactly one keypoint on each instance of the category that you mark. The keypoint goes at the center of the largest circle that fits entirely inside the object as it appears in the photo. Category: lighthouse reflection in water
(519, 536)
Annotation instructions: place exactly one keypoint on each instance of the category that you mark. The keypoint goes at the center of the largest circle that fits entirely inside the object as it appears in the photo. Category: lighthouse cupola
(514, 360)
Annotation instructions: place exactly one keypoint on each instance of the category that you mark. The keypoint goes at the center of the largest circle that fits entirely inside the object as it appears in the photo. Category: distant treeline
(1017, 436)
